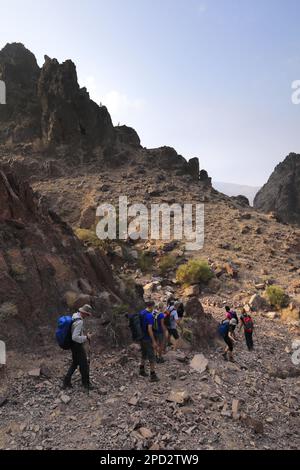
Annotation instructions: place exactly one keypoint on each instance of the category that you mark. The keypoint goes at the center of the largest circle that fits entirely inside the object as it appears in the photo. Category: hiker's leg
(143, 359)
(248, 340)
(84, 366)
(72, 368)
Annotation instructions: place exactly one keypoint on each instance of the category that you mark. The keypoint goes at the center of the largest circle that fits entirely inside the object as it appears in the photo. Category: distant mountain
(232, 189)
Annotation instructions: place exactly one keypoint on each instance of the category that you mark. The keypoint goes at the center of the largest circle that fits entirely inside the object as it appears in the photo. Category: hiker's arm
(77, 337)
(151, 334)
(165, 329)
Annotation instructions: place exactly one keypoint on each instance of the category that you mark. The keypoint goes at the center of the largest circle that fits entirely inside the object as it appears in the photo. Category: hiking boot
(143, 373)
(66, 386)
(153, 377)
(88, 387)
(225, 356)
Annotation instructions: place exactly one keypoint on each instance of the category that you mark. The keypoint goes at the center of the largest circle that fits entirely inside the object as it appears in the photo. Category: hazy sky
(211, 78)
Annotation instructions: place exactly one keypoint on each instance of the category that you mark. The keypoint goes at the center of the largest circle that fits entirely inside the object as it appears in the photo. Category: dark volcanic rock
(40, 260)
(68, 114)
(48, 114)
(281, 194)
(20, 117)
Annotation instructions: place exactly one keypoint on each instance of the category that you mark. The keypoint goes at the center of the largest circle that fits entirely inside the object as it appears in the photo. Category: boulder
(199, 363)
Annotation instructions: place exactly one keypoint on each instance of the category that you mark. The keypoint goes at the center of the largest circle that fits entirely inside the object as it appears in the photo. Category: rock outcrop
(49, 115)
(42, 266)
(281, 194)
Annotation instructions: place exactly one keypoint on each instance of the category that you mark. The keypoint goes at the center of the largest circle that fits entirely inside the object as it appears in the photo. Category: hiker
(225, 331)
(171, 319)
(248, 324)
(180, 311)
(160, 333)
(148, 342)
(79, 357)
(234, 321)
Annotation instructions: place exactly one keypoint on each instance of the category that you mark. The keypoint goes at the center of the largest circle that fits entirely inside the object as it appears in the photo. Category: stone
(231, 270)
(257, 302)
(296, 344)
(235, 409)
(191, 291)
(133, 401)
(180, 397)
(145, 433)
(65, 399)
(199, 363)
(35, 372)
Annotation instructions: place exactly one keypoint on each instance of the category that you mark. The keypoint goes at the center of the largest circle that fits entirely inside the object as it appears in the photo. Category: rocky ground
(250, 404)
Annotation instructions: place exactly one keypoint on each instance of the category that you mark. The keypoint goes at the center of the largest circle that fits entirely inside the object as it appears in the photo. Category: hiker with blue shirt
(148, 342)
(160, 332)
(225, 331)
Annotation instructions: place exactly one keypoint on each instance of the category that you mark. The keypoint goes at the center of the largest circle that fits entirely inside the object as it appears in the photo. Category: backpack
(136, 326)
(180, 310)
(223, 328)
(64, 332)
(248, 324)
(234, 315)
(155, 325)
(168, 316)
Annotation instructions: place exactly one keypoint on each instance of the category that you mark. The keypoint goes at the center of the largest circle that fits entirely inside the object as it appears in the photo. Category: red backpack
(248, 324)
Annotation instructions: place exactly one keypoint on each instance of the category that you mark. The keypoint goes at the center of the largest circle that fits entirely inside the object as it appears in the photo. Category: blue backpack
(64, 332)
(223, 329)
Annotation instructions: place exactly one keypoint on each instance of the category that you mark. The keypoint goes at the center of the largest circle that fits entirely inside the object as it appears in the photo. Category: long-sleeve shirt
(78, 335)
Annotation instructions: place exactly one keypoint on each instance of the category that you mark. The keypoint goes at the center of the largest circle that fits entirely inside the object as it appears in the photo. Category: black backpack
(180, 310)
(136, 327)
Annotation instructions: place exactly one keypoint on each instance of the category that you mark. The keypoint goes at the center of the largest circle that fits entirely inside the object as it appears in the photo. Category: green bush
(145, 262)
(276, 296)
(194, 272)
(89, 238)
(167, 262)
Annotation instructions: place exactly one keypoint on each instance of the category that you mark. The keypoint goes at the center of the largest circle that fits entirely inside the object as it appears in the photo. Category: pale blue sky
(211, 78)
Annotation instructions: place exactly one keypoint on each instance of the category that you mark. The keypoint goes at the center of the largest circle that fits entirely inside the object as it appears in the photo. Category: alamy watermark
(2, 92)
(160, 222)
(296, 353)
(2, 353)
(296, 92)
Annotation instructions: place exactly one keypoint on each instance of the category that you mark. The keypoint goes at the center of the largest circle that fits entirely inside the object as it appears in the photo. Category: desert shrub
(194, 272)
(89, 238)
(167, 262)
(145, 262)
(276, 296)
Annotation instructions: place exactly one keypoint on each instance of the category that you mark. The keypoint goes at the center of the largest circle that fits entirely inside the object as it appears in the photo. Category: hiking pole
(89, 362)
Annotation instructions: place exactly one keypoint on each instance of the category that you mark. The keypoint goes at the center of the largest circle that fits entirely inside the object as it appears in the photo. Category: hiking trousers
(79, 359)
(249, 339)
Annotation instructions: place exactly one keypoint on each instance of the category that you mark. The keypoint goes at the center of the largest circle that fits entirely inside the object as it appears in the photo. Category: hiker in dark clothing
(248, 324)
(232, 316)
(160, 332)
(225, 330)
(79, 357)
(148, 342)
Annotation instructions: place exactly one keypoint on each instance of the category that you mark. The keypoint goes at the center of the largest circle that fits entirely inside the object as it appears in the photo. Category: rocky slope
(43, 267)
(281, 194)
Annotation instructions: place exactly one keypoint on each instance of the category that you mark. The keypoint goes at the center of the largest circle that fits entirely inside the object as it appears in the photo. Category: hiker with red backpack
(248, 324)
(70, 335)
